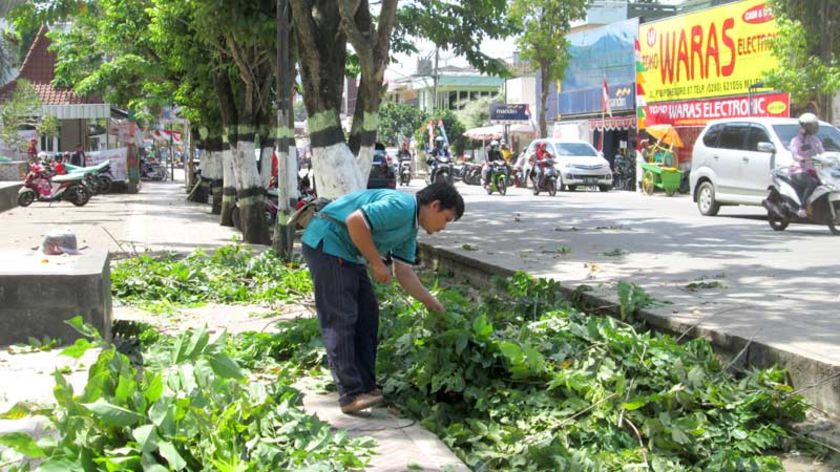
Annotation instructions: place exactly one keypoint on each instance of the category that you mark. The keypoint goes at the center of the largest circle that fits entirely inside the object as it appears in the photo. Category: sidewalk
(159, 219)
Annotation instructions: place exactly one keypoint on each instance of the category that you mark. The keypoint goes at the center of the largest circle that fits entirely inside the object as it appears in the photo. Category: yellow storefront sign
(711, 53)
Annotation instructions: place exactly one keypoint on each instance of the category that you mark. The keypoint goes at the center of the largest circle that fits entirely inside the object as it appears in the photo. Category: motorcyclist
(507, 154)
(494, 156)
(803, 147)
(438, 152)
(58, 164)
(541, 155)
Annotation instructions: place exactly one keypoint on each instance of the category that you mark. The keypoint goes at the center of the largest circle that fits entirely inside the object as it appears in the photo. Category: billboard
(700, 112)
(711, 53)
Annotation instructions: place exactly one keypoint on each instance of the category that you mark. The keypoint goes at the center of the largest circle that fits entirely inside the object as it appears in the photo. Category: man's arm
(411, 283)
(363, 239)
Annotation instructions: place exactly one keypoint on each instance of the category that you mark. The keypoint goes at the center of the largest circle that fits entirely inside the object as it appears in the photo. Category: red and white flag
(605, 98)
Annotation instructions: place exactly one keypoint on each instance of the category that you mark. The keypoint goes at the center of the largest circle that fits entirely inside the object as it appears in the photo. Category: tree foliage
(808, 50)
(19, 111)
(398, 121)
(476, 113)
(543, 40)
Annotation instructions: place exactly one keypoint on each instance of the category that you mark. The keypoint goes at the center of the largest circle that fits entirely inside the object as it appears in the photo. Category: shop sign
(711, 53)
(589, 101)
(508, 112)
(700, 112)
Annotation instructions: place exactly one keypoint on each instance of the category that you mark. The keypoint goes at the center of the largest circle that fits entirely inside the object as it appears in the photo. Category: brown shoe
(362, 402)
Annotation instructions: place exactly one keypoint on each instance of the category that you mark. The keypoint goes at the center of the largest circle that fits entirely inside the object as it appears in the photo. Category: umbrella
(666, 134)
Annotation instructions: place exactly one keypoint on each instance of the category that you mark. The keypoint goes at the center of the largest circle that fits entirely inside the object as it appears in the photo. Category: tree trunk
(322, 63)
(266, 156)
(214, 171)
(249, 190)
(201, 186)
(543, 100)
(228, 185)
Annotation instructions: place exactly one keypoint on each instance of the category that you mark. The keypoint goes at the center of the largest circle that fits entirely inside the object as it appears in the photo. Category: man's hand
(434, 305)
(381, 273)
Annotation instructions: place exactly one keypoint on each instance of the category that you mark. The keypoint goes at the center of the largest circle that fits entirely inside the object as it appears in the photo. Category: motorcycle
(441, 170)
(44, 187)
(546, 179)
(98, 177)
(625, 173)
(153, 171)
(405, 172)
(498, 178)
(783, 201)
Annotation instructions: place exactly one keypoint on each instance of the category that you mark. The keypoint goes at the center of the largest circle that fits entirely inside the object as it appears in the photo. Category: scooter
(546, 179)
(153, 171)
(101, 177)
(405, 172)
(41, 186)
(497, 179)
(783, 202)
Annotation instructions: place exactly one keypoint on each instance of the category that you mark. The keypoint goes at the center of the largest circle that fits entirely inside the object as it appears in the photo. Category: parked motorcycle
(471, 173)
(405, 172)
(546, 179)
(498, 178)
(40, 185)
(153, 171)
(625, 173)
(98, 177)
(441, 170)
(783, 202)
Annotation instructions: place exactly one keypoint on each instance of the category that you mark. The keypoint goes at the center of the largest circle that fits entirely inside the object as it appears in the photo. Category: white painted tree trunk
(266, 156)
(336, 171)
(291, 179)
(227, 168)
(246, 174)
(364, 160)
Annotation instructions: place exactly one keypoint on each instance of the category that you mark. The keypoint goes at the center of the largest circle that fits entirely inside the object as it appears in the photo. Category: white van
(732, 159)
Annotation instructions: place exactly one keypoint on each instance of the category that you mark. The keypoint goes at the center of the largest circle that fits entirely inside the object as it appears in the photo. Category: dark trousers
(348, 313)
(805, 185)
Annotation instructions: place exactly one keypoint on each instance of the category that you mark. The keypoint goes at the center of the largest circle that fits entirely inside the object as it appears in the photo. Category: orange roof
(39, 69)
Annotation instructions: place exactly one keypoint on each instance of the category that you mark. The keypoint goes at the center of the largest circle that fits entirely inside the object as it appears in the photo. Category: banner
(118, 158)
(711, 53)
(700, 112)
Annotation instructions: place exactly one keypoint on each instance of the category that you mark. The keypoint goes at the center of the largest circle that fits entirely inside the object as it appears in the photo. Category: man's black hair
(446, 194)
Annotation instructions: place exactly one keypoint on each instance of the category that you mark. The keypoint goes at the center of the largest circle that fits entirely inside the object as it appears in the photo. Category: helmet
(809, 122)
(43, 155)
(494, 143)
(503, 142)
(439, 139)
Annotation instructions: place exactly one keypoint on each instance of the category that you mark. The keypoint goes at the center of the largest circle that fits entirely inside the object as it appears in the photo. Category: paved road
(779, 287)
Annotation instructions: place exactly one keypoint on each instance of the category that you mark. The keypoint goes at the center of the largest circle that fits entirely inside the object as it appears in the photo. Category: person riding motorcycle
(803, 147)
(507, 154)
(494, 156)
(541, 155)
(437, 152)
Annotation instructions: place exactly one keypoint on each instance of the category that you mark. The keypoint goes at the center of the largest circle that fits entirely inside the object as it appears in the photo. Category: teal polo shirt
(390, 215)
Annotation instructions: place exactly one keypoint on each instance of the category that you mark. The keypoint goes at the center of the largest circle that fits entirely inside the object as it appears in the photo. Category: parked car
(733, 159)
(383, 173)
(577, 163)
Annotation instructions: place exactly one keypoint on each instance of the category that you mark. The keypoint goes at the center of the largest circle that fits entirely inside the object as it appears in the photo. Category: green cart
(656, 176)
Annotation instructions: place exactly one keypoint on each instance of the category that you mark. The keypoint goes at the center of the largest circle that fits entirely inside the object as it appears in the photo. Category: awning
(613, 122)
(496, 131)
(78, 111)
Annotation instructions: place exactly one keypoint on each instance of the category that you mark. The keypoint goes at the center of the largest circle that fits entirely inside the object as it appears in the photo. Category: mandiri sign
(509, 112)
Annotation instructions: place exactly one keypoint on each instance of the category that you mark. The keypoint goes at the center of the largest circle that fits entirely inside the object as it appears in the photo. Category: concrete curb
(9, 195)
(819, 381)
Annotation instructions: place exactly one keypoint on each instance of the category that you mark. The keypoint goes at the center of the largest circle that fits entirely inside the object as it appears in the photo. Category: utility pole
(283, 232)
(435, 81)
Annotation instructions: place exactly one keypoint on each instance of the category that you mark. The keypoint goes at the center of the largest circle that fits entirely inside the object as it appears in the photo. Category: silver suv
(733, 158)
